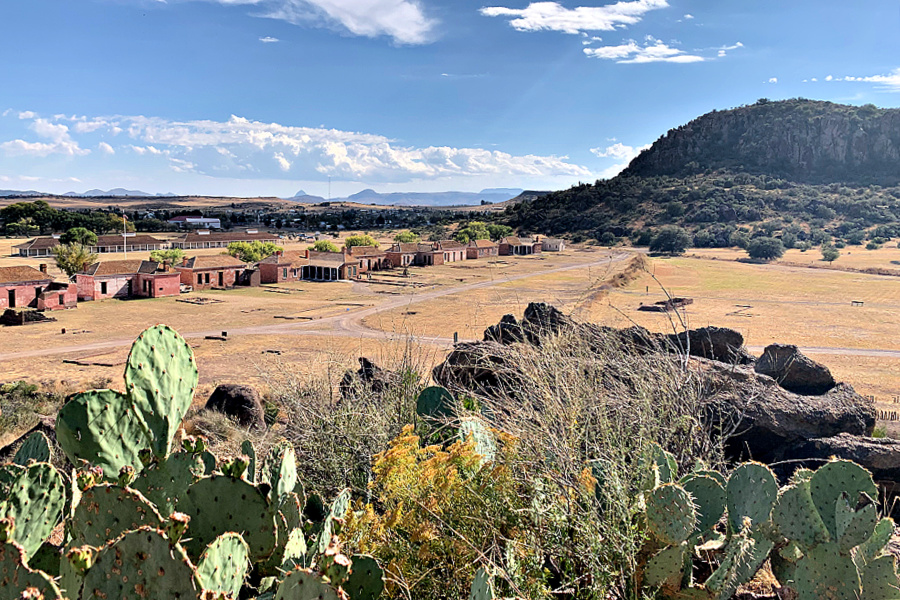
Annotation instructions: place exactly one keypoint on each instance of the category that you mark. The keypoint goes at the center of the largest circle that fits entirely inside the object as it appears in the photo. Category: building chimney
(43, 268)
(184, 260)
(278, 253)
(306, 253)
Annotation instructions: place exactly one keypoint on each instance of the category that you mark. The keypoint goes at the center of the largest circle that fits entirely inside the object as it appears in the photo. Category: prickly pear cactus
(305, 585)
(752, 491)
(107, 511)
(709, 499)
(160, 377)
(796, 516)
(831, 480)
(140, 564)
(104, 428)
(670, 513)
(36, 500)
(665, 462)
(35, 448)
(16, 577)
(250, 452)
(666, 567)
(224, 565)
(366, 580)
(279, 470)
(873, 547)
(482, 586)
(854, 524)
(339, 509)
(166, 480)
(879, 579)
(435, 404)
(825, 573)
(219, 504)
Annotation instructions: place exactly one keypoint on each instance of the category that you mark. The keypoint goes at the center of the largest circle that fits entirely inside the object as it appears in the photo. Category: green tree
(499, 231)
(671, 239)
(360, 240)
(252, 251)
(171, 257)
(406, 237)
(79, 235)
(830, 253)
(73, 258)
(765, 248)
(324, 246)
(24, 226)
(474, 230)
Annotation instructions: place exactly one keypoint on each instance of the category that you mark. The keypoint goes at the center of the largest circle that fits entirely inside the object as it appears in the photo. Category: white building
(553, 245)
(187, 221)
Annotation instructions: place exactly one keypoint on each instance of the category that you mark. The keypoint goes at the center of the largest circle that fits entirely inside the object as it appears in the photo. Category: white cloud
(723, 50)
(891, 81)
(269, 40)
(402, 20)
(60, 141)
(653, 51)
(814, 79)
(773, 80)
(552, 16)
(106, 148)
(688, 16)
(27, 114)
(246, 149)
(619, 151)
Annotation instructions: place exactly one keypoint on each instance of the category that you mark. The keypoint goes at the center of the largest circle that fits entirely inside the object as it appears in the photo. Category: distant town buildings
(188, 221)
(130, 242)
(209, 239)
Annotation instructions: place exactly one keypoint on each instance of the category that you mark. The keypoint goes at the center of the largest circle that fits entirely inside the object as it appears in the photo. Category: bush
(741, 239)
(608, 239)
(360, 240)
(324, 246)
(765, 248)
(830, 253)
(671, 239)
(252, 252)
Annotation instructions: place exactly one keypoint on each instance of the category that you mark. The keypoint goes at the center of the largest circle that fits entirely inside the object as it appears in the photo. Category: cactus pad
(163, 482)
(36, 501)
(854, 524)
(796, 516)
(219, 504)
(107, 511)
(709, 499)
(665, 462)
(752, 492)
(874, 546)
(744, 555)
(825, 574)
(879, 580)
(250, 452)
(279, 470)
(160, 377)
(16, 577)
(104, 428)
(224, 565)
(304, 585)
(482, 586)
(366, 581)
(435, 404)
(827, 483)
(140, 564)
(670, 513)
(666, 567)
(35, 448)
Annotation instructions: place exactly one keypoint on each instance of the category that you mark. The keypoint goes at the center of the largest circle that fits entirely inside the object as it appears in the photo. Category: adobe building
(27, 287)
(330, 266)
(283, 266)
(402, 255)
(208, 239)
(219, 271)
(553, 245)
(130, 242)
(481, 249)
(515, 246)
(371, 258)
(450, 251)
(127, 279)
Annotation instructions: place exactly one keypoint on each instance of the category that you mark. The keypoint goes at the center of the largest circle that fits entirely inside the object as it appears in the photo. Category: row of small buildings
(140, 242)
(22, 286)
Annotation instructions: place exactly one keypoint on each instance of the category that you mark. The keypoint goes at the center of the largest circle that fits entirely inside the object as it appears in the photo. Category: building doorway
(12, 298)
(221, 279)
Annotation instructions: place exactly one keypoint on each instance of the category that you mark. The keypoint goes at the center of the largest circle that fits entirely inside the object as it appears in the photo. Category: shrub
(252, 252)
(830, 253)
(324, 246)
(765, 248)
(360, 240)
(671, 239)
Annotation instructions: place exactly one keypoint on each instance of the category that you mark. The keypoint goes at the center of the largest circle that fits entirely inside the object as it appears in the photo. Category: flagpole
(124, 236)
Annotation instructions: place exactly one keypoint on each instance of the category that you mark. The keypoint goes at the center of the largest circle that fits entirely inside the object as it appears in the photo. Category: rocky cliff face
(800, 140)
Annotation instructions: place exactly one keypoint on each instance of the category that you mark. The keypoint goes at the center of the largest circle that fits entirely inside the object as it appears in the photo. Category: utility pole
(124, 235)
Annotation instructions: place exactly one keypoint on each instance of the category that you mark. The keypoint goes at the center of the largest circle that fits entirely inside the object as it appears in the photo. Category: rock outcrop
(240, 402)
(370, 378)
(794, 371)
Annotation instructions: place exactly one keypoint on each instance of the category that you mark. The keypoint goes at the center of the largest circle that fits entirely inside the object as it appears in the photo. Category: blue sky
(266, 97)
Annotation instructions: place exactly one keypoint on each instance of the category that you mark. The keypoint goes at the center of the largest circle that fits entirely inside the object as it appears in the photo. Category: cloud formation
(890, 82)
(269, 40)
(552, 16)
(652, 51)
(245, 149)
(619, 151)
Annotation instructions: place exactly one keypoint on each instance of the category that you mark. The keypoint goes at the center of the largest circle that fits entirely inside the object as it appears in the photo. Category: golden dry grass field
(333, 323)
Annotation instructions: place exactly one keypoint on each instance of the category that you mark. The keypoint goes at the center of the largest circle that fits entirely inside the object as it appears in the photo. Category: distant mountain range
(369, 196)
(116, 192)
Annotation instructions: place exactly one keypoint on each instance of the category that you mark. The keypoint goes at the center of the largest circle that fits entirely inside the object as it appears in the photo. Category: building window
(284, 272)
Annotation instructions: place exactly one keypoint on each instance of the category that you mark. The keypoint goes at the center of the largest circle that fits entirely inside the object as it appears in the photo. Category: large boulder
(881, 456)
(794, 371)
(715, 343)
(487, 368)
(369, 378)
(765, 421)
(240, 402)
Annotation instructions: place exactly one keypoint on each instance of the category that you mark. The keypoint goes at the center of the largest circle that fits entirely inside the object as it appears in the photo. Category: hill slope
(797, 165)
